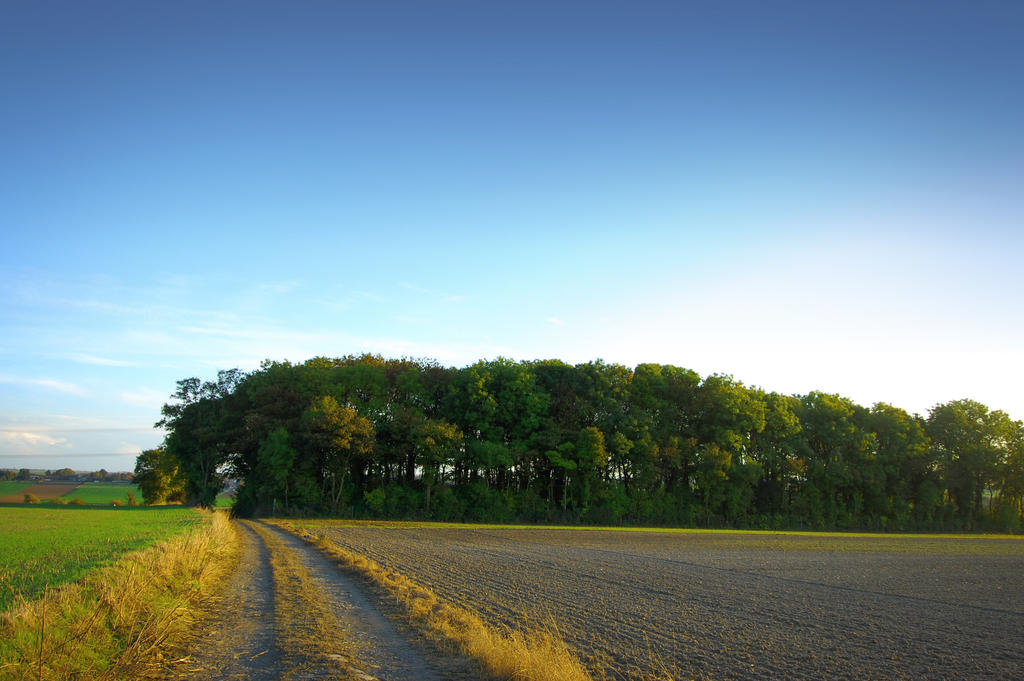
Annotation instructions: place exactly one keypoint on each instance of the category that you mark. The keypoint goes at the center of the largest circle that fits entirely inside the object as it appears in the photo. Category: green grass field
(12, 487)
(46, 547)
(223, 502)
(104, 493)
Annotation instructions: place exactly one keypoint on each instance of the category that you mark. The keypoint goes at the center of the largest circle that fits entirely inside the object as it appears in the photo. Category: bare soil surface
(242, 636)
(734, 606)
(386, 647)
(43, 490)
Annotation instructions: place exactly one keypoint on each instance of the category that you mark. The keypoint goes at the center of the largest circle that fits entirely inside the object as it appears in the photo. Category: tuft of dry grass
(105, 626)
(537, 654)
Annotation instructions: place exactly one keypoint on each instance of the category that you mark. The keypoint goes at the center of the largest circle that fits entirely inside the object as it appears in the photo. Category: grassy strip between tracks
(112, 622)
(540, 654)
(307, 628)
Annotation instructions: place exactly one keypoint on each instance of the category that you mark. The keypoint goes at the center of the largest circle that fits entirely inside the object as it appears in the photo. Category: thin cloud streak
(100, 361)
(52, 383)
(44, 429)
(27, 443)
(62, 455)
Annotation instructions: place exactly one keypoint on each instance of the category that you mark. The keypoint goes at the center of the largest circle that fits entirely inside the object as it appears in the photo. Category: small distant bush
(117, 502)
(31, 499)
(132, 501)
(60, 501)
(77, 501)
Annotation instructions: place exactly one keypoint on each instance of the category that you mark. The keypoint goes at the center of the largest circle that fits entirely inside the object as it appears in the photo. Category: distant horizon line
(76, 470)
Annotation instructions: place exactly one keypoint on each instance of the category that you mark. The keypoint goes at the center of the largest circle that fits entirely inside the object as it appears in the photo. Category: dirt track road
(282, 591)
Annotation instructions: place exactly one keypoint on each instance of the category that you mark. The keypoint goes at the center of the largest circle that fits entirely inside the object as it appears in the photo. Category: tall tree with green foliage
(834, 444)
(159, 477)
(912, 491)
(593, 442)
(276, 465)
(199, 436)
(441, 442)
(971, 444)
(341, 439)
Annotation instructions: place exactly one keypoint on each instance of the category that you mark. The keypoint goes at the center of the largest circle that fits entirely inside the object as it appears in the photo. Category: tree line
(64, 474)
(545, 441)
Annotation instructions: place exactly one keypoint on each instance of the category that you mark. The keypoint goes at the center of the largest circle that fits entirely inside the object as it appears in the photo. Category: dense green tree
(911, 492)
(341, 440)
(199, 436)
(500, 409)
(971, 444)
(159, 477)
(64, 474)
(1011, 482)
(776, 449)
(727, 416)
(834, 444)
(440, 444)
(593, 442)
(591, 458)
(664, 405)
(277, 464)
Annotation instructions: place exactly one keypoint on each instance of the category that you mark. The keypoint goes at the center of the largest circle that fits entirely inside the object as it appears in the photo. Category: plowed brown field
(42, 490)
(733, 606)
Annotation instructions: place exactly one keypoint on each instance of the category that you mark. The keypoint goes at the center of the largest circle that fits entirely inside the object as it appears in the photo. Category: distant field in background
(42, 490)
(730, 605)
(93, 493)
(12, 487)
(47, 547)
(104, 493)
(224, 501)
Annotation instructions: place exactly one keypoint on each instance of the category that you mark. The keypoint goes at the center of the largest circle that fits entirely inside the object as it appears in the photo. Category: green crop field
(223, 502)
(104, 493)
(12, 487)
(46, 547)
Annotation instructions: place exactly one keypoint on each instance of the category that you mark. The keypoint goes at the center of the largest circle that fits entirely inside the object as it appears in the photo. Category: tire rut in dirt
(386, 647)
(238, 640)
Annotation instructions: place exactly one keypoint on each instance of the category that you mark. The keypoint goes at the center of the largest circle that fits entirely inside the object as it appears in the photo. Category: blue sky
(802, 195)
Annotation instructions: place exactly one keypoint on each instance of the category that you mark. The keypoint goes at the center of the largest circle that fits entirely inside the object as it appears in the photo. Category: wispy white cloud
(556, 321)
(52, 383)
(61, 386)
(100, 361)
(58, 429)
(252, 332)
(29, 442)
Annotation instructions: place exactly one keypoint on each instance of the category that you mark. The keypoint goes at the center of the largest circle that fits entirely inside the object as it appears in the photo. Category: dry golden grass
(538, 654)
(308, 629)
(113, 621)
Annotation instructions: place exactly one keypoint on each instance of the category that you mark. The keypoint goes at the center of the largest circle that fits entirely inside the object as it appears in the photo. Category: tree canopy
(594, 442)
